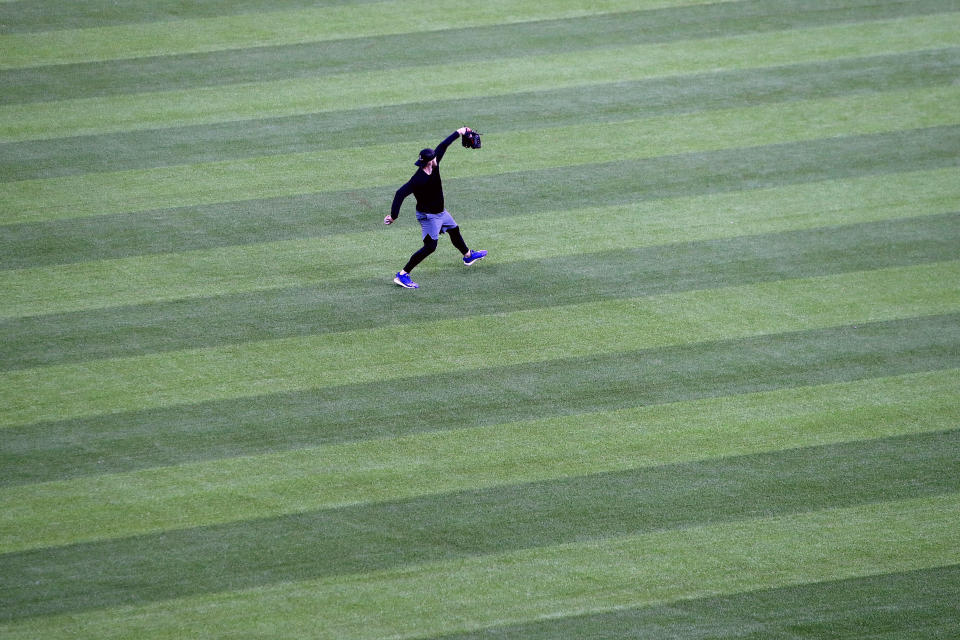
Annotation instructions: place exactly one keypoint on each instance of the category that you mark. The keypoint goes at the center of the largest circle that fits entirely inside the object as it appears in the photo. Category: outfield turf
(706, 385)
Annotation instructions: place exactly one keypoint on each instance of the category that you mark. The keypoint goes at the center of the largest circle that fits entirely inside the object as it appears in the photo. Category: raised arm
(442, 147)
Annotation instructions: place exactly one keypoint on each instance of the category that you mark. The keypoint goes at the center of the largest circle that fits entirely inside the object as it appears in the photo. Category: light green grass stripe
(384, 354)
(371, 253)
(458, 81)
(271, 28)
(213, 492)
(273, 176)
(562, 580)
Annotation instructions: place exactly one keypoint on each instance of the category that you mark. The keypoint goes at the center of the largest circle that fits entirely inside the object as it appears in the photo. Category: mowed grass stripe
(270, 28)
(181, 377)
(460, 80)
(272, 485)
(307, 261)
(347, 129)
(511, 195)
(362, 256)
(562, 580)
(163, 73)
(375, 537)
(535, 281)
(369, 166)
(151, 437)
(890, 605)
(51, 15)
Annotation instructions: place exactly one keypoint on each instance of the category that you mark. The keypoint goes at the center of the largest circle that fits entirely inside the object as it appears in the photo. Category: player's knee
(429, 244)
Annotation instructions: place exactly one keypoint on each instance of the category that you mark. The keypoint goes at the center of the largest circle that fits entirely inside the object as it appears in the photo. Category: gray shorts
(433, 224)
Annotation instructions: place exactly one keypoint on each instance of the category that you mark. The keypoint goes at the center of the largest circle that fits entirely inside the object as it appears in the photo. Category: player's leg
(430, 226)
(457, 240)
(469, 256)
(450, 226)
(429, 246)
(403, 277)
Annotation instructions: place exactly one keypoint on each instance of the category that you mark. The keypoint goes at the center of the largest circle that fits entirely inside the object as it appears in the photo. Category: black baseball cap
(426, 155)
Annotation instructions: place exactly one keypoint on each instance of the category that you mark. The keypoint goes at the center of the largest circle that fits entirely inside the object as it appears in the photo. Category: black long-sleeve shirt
(427, 189)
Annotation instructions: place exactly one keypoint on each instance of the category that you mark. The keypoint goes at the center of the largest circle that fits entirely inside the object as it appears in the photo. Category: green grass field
(706, 385)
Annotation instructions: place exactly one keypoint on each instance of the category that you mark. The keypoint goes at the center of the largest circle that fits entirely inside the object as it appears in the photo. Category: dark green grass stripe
(261, 315)
(59, 82)
(474, 397)
(52, 15)
(501, 196)
(596, 103)
(441, 527)
(913, 604)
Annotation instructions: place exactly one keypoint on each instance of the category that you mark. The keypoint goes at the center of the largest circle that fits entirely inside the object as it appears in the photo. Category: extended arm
(442, 147)
(398, 199)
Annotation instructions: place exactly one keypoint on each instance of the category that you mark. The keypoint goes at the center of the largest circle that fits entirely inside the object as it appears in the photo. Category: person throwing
(427, 188)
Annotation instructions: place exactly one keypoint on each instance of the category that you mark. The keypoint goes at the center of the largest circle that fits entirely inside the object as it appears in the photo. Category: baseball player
(434, 219)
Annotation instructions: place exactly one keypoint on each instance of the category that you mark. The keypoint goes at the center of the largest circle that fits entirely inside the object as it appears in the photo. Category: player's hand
(463, 130)
(387, 219)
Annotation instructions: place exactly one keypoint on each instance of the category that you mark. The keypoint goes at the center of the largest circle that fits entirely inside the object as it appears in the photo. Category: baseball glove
(471, 140)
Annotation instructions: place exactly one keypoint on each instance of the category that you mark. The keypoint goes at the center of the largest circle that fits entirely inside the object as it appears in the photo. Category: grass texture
(706, 384)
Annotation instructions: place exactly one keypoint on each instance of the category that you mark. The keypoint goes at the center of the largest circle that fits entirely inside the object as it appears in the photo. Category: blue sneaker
(403, 279)
(473, 257)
